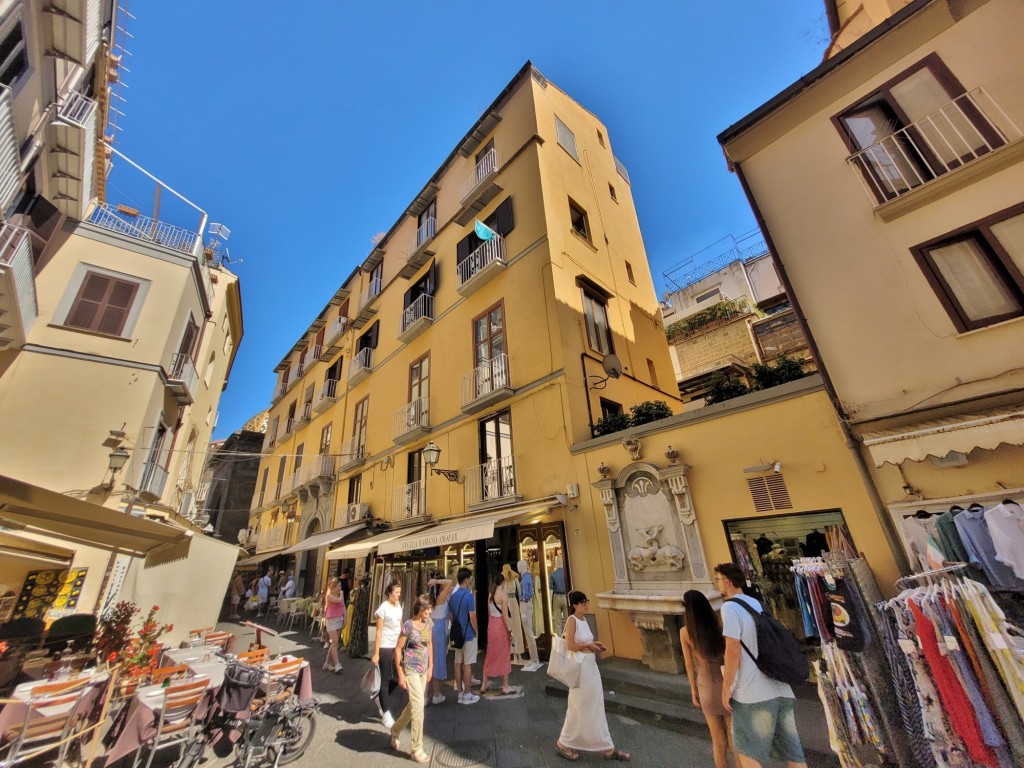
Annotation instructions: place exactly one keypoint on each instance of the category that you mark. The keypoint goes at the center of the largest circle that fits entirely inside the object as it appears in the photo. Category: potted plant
(136, 656)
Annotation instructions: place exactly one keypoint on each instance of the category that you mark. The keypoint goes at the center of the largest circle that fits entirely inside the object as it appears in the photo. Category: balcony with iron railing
(327, 395)
(366, 300)
(269, 440)
(361, 366)
(317, 469)
(76, 109)
(279, 389)
(290, 483)
(481, 265)
(957, 134)
(412, 421)
(352, 453)
(416, 318)
(272, 538)
(304, 414)
(10, 151)
(409, 501)
(420, 249)
(147, 229)
(492, 483)
(288, 426)
(18, 303)
(478, 179)
(182, 378)
(486, 384)
(332, 337)
(295, 376)
(154, 480)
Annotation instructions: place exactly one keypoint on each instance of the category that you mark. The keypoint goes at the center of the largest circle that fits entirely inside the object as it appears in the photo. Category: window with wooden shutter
(501, 221)
(102, 304)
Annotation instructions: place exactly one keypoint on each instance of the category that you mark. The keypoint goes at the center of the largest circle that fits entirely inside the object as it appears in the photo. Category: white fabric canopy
(323, 538)
(451, 531)
(366, 546)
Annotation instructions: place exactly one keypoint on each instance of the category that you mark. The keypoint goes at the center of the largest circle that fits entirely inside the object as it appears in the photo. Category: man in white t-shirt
(763, 720)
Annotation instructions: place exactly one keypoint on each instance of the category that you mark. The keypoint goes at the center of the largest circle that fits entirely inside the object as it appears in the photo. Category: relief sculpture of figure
(652, 554)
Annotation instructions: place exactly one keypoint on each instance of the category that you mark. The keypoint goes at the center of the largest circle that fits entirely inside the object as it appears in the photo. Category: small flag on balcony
(483, 231)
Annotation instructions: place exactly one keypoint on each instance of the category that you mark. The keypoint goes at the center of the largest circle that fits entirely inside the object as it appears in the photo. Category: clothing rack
(908, 581)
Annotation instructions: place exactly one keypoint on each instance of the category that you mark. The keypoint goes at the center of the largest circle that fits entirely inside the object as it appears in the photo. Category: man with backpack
(763, 719)
(463, 634)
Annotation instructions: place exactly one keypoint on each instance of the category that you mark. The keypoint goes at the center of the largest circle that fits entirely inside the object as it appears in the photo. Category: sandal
(421, 757)
(507, 691)
(618, 754)
(568, 754)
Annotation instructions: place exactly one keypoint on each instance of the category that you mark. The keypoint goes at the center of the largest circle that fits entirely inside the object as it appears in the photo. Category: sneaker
(476, 682)
(388, 721)
(440, 699)
(533, 666)
(469, 698)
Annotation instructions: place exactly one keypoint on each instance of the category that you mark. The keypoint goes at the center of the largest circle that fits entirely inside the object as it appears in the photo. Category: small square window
(578, 221)
(600, 137)
(611, 191)
(610, 408)
(566, 138)
(629, 273)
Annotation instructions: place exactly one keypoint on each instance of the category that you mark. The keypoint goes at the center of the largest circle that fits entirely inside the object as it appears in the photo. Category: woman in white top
(586, 726)
(389, 627)
(440, 589)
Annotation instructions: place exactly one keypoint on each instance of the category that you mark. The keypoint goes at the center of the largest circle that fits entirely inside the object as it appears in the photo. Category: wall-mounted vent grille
(769, 492)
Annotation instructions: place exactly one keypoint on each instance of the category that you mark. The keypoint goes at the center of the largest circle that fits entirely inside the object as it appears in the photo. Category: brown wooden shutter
(374, 331)
(343, 309)
(319, 338)
(119, 303)
(102, 304)
(89, 301)
(188, 340)
(504, 221)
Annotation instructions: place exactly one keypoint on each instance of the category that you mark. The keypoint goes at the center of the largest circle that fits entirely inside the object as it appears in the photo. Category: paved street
(505, 733)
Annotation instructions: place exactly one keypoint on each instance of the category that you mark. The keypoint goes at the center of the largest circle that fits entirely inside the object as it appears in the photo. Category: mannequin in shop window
(763, 544)
(512, 593)
(815, 544)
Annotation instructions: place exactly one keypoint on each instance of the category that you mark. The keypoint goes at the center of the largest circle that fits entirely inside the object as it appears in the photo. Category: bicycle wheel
(298, 732)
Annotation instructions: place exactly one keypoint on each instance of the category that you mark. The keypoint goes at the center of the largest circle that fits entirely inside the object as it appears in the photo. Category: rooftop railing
(145, 228)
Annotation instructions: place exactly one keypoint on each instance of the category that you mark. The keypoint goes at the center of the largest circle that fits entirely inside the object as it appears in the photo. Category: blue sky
(307, 131)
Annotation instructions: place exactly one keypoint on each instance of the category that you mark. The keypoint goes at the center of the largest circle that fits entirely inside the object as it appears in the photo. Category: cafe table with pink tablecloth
(88, 706)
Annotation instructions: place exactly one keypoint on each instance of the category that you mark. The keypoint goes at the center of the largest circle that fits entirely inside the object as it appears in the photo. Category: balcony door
(489, 350)
(419, 387)
(188, 343)
(497, 470)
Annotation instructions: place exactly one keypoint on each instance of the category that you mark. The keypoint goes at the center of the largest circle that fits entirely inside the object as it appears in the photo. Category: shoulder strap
(753, 613)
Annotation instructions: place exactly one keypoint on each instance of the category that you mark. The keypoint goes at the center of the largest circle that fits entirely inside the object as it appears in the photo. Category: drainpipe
(851, 442)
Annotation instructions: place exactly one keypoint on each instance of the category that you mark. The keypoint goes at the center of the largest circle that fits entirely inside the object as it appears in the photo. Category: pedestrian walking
(556, 583)
(414, 665)
(462, 607)
(263, 587)
(512, 593)
(763, 720)
(440, 589)
(334, 620)
(526, 596)
(237, 593)
(704, 654)
(389, 628)
(498, 662)
(586, 726)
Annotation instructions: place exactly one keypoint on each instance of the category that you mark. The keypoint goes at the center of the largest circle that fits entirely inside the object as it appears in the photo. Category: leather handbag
(565, 665)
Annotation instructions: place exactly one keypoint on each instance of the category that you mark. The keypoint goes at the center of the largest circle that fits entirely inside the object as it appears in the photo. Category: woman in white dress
(586, 726)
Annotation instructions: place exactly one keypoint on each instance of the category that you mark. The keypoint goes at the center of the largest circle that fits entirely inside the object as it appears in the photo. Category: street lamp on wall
(431, 455)
(116, 460)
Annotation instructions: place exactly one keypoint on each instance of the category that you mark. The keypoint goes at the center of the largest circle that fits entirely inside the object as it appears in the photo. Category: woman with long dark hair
(498, 662)
(704, 654)
(389, 629)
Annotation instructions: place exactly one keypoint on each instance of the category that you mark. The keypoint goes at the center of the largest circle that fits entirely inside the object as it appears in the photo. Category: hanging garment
(978, 541)
(949, 537)
(848, 622)
(1006, 525)
(815, 544)
(922, 535)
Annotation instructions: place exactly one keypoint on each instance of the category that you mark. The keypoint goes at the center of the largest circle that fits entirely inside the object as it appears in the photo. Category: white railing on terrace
(76, 108)
(328, 394)
(492, 480)
(422, 307)
(491, 250)
(353, 449)
(317, 468)
(10, 152)
(184, 370)
(294, 376)
(305, 413)
(486, 165)
(154, 478)
(372, 291)
(425, 232)
(335, 329)
(145, 228)
(362, 361)
(485, 378)
(315, 351)
(410, 500)
(969, 126)
(16, 257)
(279, 389)
(415, 415)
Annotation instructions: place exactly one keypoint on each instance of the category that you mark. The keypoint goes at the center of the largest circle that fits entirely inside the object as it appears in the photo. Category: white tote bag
(565, 665)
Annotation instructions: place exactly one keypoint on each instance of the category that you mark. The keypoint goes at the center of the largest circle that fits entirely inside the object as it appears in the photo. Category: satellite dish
(612, 366)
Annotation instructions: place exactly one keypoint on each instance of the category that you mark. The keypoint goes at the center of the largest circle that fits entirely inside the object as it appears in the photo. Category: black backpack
(778, 655)
(456, 635)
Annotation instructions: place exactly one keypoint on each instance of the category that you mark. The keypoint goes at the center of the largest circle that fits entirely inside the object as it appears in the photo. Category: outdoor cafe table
(200, 654)
(13, 714)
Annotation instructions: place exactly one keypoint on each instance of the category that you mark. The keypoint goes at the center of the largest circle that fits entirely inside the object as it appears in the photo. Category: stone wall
(708, 347)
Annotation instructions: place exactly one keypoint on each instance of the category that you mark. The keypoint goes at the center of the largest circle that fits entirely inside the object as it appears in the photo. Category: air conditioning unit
(358, 513)
(187, 508)
(572, 490)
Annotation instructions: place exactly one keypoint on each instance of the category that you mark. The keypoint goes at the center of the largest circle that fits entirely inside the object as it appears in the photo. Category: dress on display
(512, 592)
(357, 646)
(586, 725)
(498, 661)
(439, 640)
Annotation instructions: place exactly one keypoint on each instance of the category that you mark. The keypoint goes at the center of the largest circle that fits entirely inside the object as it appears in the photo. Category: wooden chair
(177, 720)
(278, 671)
(159, 675)
(220, 639)
(51, 715)
(52, 668)
(254, 657)
(318, 623)
(200, 632)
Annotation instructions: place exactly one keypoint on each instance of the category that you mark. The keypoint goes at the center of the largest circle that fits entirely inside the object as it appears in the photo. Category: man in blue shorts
(462, 605)
(763, 721)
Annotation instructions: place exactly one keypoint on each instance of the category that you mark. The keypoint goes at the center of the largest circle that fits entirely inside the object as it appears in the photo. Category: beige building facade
(888, 183)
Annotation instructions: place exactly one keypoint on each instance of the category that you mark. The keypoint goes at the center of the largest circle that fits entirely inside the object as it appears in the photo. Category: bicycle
(277, 731)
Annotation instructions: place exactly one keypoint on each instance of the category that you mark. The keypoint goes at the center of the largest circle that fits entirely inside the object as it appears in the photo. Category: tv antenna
(215, 250)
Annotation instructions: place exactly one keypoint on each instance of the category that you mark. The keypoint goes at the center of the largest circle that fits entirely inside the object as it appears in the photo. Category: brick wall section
(701, 349)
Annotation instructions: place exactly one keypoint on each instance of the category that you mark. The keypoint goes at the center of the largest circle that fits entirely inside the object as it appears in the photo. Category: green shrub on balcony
(723, 310)
(725, 386)
(641, 413)
(615, 422)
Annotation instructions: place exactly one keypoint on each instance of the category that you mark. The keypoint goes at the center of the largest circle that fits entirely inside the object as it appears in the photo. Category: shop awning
(938, 437)
(25, 548)
(366, 546)
(39, 510)
(324, 538)
(257, 559)
(453, 531)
